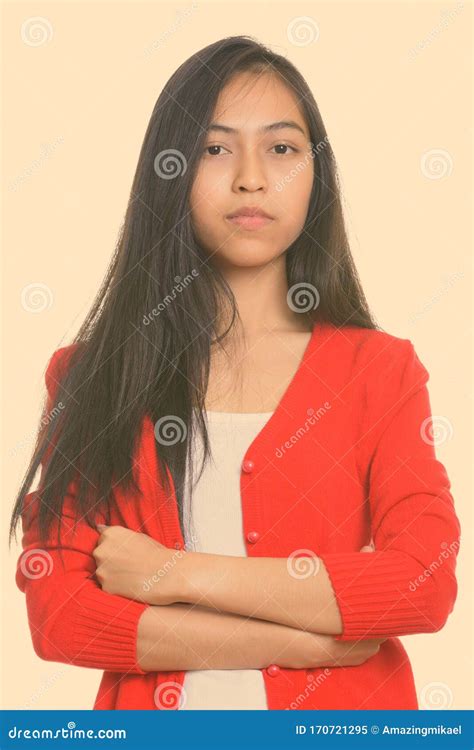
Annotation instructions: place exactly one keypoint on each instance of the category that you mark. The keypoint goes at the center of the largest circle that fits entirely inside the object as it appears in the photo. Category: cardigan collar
(280, 422)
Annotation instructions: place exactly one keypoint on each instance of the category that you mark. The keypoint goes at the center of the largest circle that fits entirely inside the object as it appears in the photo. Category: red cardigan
(347, 454)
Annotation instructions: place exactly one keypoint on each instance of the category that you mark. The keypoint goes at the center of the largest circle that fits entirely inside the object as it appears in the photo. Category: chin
(245, 256)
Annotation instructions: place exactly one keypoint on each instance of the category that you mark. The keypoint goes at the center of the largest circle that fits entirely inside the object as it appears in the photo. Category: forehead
(250, 101)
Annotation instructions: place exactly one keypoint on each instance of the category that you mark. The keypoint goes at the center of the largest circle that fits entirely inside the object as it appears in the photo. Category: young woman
(230, 432)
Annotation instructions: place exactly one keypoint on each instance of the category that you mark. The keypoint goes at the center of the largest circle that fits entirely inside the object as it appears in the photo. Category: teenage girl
(230, 430)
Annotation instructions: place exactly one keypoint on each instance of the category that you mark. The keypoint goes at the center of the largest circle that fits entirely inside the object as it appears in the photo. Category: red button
(253, 536)
(273, 670)
(248, 466)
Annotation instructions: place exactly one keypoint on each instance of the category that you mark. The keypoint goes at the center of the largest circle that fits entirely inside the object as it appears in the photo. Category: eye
(285, 145)
(212, 147)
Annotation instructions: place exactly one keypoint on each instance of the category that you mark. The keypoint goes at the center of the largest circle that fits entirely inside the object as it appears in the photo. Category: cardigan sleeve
(71, 619)
(408, 584)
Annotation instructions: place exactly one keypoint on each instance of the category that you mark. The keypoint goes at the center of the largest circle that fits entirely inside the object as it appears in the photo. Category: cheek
(206, 199)
(293, 197)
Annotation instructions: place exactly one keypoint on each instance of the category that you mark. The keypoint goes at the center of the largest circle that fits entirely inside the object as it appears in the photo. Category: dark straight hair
(144, 347)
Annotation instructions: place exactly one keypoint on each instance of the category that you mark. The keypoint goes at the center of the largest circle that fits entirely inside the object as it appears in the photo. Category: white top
(213, 523)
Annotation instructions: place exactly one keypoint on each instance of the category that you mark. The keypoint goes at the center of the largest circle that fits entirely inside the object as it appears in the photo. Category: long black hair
(144, 348)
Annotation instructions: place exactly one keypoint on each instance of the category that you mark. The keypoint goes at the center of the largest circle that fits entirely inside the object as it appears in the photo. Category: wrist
(185, 583)
(166, 579)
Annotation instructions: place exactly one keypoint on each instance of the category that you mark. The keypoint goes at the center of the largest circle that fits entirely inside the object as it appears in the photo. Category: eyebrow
(281, 125)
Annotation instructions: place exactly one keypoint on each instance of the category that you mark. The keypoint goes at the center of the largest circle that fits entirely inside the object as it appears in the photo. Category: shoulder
(377, 355)
(58, 365)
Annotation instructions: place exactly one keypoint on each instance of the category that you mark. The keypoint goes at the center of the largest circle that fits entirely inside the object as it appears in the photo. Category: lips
(250, 218)
(249, 211)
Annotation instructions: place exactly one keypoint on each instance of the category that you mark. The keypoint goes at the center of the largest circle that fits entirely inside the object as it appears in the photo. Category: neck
(261, 298)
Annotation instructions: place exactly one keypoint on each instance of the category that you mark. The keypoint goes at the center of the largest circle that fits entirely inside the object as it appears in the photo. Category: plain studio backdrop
(391, 80)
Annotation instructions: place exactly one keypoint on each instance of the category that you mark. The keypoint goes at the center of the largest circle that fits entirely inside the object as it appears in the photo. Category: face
(257, 155)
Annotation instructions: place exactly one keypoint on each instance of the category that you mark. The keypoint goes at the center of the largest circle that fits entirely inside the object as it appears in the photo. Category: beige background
(392, 80)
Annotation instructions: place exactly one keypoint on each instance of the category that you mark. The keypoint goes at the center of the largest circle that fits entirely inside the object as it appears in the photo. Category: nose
(250, 174)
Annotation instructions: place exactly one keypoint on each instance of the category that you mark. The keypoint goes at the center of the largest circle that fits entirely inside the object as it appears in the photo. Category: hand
(334, 653)
(134, 565)
(306, 650)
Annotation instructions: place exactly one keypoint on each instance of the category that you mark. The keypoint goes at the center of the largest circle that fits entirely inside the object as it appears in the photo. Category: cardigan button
(253, 536)
(273, 670)
(248, 466)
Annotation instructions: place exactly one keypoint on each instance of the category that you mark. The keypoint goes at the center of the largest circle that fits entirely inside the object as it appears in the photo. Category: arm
(71, 619)
(407, 585)
(262, 587)
(180, 636)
